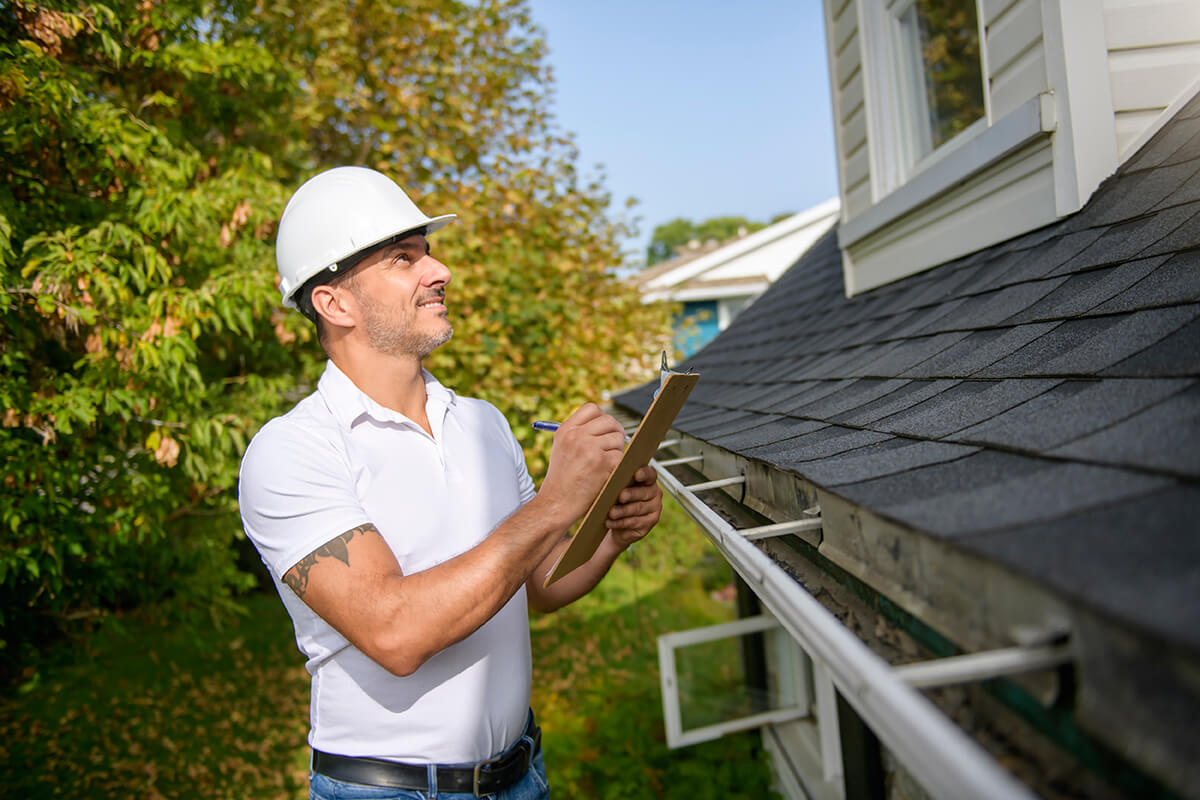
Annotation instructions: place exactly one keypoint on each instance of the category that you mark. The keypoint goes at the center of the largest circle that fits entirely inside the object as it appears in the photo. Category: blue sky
(698, 109)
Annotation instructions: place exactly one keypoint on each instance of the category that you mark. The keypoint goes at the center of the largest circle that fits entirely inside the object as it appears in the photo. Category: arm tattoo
(297, 576)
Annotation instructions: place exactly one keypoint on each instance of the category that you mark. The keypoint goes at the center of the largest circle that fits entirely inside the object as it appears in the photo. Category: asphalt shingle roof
(1036, 403)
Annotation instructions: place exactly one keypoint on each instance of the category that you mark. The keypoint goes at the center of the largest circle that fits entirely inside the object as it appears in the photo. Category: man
(400, 523)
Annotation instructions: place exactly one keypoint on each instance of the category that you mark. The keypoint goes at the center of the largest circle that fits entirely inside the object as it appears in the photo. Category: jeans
(531, 787)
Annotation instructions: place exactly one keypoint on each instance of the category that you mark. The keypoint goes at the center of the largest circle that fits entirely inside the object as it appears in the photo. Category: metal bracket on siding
(781, 528)
(982, 666)
(671, 462)
(700, 487)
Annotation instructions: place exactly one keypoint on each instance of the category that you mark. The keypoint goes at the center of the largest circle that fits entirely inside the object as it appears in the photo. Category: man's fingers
(637, 490)
(592, 417)
(643, 523)
(646, 474)
(629, 510)
(612, 441)
(585, 413)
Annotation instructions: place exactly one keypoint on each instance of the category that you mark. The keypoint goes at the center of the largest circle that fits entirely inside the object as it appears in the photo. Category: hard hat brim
(429, 226)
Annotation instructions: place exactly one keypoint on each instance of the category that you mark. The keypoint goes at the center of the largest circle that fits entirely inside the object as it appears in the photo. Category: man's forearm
(576, 583)
(400, 621)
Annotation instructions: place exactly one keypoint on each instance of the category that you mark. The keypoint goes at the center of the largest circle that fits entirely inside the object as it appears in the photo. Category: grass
(162, 711)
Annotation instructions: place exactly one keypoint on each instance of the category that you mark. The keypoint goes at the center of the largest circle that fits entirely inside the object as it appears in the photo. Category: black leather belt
(486, 777)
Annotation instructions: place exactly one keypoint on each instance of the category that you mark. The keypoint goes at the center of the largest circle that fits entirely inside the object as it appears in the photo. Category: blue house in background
(713, 282)
(695, 325)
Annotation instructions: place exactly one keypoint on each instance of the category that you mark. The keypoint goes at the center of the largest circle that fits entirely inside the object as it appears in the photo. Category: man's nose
(435, 272)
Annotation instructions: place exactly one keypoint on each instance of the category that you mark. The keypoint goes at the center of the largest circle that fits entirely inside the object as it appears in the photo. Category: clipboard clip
(665, 371)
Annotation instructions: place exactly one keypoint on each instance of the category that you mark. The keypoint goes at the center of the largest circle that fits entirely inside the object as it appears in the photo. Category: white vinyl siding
(1153, 58)
(1016, 56)
(857, 168)
(1014, 195)
(846, 82)
(1103, 74)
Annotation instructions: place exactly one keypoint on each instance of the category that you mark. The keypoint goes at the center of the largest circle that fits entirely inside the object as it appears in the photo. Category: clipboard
(639, 450)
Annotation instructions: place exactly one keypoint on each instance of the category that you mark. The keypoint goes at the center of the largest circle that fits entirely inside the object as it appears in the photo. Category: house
(953, 453)
(713, 282)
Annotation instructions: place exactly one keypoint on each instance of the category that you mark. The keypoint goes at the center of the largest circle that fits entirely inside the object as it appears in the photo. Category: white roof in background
(756, 260)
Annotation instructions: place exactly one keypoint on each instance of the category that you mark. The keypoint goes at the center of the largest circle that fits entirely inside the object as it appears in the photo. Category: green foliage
(670, 236)
(146, 153)
(151, 709)
(137, 195)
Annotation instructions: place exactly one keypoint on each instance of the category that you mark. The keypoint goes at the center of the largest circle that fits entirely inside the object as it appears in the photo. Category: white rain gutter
(946, 762)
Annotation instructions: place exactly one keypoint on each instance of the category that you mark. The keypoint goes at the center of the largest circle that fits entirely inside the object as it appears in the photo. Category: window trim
(970, 152)
(892, 101)
(672, 716)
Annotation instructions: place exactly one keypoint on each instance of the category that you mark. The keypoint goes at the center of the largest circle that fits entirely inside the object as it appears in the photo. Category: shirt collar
(348, 403)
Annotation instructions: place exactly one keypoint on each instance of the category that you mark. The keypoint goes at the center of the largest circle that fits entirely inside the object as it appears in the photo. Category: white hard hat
(336, 214)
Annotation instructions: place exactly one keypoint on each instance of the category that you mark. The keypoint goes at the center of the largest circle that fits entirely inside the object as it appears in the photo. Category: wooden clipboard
(638, 452)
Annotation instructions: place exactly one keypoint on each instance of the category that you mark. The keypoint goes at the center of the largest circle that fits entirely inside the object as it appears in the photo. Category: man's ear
(336, 307)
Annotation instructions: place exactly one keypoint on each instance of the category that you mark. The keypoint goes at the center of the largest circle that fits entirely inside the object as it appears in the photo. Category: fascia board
(698, 293)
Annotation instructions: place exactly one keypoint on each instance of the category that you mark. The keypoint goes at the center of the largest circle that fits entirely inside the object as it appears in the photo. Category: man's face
(401, 293)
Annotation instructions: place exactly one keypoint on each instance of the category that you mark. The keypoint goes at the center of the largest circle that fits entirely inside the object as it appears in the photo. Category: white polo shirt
(338, 460)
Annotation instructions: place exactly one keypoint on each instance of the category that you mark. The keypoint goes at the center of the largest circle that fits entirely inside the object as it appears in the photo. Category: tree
(670, 236)
(147, 151)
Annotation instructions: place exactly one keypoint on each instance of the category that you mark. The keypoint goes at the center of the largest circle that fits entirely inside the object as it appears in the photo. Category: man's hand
(638, 508)
(587, 446)
(639, 505)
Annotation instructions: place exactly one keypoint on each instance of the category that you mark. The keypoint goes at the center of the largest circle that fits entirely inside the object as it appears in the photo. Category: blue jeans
(531, 787)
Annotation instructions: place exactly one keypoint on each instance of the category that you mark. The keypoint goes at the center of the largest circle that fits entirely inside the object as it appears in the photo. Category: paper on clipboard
(641, 448)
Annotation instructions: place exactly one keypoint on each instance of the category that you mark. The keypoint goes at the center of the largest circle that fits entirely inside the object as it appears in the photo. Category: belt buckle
(475, 777)
(503, 757)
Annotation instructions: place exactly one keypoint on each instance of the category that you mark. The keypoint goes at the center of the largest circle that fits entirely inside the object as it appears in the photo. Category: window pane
(724, 679)
(949, 45)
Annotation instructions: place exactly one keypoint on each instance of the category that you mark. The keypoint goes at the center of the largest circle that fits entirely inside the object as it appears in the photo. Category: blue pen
(547, 425)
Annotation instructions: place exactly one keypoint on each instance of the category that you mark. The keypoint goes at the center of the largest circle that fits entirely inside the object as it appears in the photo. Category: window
(926, 78)
(714, 683)
(751, 674)
(940, 71)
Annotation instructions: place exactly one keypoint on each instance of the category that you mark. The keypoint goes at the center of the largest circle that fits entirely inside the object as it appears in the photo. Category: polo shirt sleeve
(295, 492)
(525, 488)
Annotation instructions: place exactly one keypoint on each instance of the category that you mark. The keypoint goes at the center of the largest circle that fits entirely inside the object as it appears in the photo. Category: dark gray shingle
(887, 457)
(1163, 436)
(1138, 559)
(968, 403)
(1068, 411)
(1022, 499)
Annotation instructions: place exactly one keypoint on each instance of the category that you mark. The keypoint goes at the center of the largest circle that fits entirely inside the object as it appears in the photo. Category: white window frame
(794, 685)
(805, 686)
(895, 97)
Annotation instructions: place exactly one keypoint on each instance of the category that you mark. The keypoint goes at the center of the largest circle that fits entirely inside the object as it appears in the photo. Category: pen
(547, 425)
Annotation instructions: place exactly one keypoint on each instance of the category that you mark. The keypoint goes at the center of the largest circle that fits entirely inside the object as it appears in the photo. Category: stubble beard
(398, 337)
